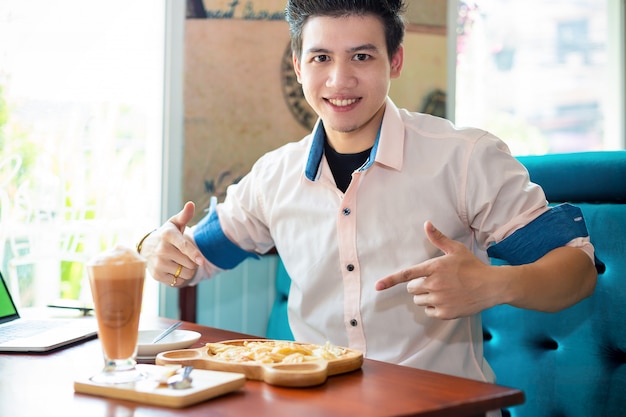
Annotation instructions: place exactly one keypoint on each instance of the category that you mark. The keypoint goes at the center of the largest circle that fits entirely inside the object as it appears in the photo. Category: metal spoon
(181, 380)
(165, 332)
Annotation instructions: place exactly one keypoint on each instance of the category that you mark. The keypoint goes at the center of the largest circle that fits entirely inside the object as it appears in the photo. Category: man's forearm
(558, 280)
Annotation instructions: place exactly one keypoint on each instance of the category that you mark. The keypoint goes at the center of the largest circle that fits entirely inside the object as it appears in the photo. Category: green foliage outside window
(17, 149)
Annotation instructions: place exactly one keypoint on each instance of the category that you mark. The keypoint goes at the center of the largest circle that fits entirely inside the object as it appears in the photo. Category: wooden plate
(304, 374)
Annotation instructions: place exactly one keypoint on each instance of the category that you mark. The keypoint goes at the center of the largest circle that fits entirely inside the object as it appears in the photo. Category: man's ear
(397, 61)
(296, 66)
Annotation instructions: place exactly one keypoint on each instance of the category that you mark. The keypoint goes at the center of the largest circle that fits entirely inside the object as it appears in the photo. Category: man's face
(345, 75)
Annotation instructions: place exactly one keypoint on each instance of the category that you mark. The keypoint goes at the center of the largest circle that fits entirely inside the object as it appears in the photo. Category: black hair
(389, 11)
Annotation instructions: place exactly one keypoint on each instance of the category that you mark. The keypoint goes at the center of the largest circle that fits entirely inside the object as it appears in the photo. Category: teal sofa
(571, 363)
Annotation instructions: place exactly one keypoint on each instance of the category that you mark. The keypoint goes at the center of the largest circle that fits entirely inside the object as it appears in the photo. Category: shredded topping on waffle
(273, 351)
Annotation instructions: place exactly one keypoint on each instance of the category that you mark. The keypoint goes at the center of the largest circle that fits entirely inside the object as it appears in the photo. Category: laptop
(19, 334)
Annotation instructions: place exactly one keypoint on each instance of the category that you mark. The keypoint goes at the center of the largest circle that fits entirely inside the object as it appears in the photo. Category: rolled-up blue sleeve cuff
(553, 229)
(215, 246)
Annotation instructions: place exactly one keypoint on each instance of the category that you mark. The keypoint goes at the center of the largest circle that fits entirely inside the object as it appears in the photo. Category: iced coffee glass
(116, 278)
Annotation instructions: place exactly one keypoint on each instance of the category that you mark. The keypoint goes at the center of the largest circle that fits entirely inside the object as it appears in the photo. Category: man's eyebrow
(366, 47)
(315, 50)
(360, 48)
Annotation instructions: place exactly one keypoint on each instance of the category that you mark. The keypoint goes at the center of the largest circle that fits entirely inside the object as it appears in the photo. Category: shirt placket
(350, 266)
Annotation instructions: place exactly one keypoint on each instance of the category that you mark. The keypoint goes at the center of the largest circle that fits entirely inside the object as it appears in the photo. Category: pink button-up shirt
(335, 246)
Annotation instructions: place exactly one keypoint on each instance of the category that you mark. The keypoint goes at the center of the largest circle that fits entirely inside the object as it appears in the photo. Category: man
(376, 196)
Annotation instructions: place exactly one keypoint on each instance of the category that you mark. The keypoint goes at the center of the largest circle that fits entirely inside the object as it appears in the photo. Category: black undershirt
(342, 165)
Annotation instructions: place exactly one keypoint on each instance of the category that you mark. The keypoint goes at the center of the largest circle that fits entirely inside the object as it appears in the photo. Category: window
(541, 74)
(81, 103)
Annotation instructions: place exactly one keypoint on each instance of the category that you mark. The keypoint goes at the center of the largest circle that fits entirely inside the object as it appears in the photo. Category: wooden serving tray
(304, 374)
(205, 385)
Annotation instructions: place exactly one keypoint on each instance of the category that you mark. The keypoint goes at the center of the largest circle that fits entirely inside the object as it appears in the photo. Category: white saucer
(178, 339)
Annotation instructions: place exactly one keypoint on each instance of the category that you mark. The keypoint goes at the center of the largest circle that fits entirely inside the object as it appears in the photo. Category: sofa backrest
(572, 363)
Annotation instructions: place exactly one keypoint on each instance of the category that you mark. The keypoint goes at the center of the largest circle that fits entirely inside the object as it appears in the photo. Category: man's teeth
(342, 103)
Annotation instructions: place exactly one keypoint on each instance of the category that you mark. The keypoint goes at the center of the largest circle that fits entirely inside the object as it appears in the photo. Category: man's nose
(341, 75)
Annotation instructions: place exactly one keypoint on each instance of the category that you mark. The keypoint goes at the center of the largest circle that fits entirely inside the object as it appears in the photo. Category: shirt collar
(388, 148)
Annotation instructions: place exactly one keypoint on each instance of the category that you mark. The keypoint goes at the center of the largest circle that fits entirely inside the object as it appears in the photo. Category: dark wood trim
(188, 303)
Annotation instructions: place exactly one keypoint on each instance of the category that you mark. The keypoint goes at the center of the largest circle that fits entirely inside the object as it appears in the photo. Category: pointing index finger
(420, 270)
(393, 279)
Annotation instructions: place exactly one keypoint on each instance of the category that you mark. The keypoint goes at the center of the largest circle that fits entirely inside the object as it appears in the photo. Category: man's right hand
(172, 256)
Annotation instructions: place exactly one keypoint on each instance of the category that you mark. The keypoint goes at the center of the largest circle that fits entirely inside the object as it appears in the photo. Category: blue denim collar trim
(317, 151)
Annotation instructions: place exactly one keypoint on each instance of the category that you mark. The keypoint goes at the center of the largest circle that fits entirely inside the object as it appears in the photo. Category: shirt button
(353, 322)
(350, 267)
(346, 211)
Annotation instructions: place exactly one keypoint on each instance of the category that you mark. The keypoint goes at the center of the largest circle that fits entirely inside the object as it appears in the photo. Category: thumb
(184, 216)
(437, 238)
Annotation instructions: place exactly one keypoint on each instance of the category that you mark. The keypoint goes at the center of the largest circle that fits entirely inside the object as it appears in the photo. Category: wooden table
(42, 385)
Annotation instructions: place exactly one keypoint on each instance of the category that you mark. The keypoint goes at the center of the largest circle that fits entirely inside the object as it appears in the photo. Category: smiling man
(378, 196)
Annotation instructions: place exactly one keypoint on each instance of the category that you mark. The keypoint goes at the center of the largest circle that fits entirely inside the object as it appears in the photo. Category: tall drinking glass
(116, 278)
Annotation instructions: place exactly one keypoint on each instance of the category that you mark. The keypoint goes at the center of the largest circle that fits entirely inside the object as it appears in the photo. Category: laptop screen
(8, 311)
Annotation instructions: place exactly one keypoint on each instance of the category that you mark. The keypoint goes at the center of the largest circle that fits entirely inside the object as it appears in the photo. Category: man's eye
(321, 58)
(361, 57)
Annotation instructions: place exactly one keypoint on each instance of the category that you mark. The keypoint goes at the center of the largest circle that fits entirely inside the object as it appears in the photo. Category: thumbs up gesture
(456, 284)
(172, 256)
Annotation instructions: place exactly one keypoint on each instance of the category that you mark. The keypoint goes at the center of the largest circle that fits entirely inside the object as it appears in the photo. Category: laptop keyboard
(27, 328)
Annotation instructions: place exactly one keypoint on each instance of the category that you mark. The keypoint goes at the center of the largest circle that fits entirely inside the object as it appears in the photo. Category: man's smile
(342, 102)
